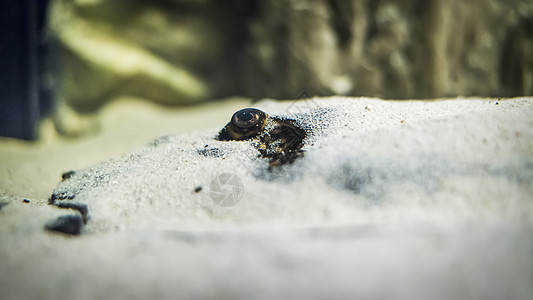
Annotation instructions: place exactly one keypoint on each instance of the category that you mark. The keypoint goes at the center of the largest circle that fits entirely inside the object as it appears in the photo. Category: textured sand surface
(409, 200)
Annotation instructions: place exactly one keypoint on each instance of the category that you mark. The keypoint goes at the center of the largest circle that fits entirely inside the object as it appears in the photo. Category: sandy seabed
(392, 199)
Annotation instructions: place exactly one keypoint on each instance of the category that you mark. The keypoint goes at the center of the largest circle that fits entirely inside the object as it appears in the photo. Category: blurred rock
(181, 51)
(392, 48)
(169, 52)
(105, 54)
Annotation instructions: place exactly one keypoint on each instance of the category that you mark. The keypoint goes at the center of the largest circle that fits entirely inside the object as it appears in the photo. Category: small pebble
(67, 175)
(68, 224)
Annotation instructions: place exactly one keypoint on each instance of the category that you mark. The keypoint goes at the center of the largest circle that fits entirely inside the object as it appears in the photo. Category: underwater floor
(397, 199)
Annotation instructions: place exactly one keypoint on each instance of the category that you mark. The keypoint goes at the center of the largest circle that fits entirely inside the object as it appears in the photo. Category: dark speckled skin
(276, 138)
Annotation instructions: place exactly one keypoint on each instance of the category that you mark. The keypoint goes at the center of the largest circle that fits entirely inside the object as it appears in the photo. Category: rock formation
(181, 52)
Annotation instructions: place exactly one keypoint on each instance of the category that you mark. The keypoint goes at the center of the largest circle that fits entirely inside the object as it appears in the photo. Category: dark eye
(244, 124)
(248, 117)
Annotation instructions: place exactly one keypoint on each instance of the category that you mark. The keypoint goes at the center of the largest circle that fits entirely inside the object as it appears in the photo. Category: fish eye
(244, 124)
(248, 117)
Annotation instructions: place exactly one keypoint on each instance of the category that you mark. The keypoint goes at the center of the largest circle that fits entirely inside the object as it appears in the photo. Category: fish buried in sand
(276, 138)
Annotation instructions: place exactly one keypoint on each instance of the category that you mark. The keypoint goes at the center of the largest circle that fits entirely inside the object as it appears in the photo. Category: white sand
(408, 200)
